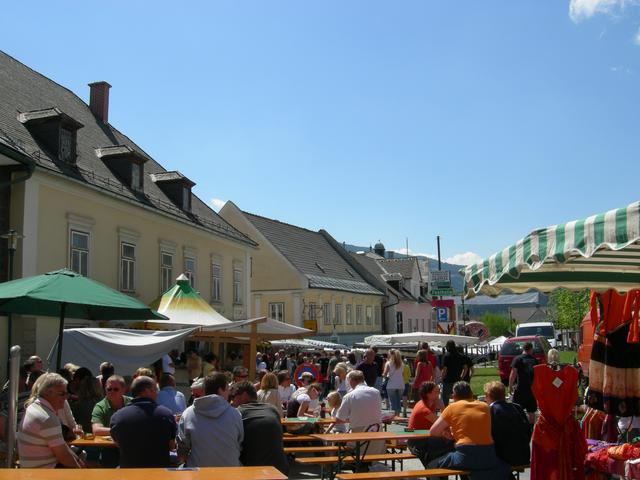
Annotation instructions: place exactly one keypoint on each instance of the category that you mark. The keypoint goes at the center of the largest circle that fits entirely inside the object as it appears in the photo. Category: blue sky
(476, 121)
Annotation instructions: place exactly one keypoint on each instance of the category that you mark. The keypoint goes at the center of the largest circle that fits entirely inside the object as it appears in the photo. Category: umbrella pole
(253, 348)
(63, 307)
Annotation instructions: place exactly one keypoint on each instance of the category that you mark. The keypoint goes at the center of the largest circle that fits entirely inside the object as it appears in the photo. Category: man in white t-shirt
(167, 365)
(362, 408)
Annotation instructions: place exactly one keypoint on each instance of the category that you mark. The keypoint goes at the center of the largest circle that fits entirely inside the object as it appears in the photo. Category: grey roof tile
(25, 90)
(312, 255)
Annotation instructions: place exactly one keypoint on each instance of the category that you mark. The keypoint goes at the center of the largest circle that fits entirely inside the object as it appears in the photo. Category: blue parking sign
(442, 314)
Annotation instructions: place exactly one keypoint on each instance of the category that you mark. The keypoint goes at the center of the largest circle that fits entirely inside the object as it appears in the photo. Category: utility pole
(439, 261)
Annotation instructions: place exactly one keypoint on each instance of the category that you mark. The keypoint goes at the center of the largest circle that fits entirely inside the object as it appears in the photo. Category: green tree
(497, 324)
(567, 308)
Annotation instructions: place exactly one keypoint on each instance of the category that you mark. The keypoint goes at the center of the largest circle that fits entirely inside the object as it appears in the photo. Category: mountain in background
(457, 281)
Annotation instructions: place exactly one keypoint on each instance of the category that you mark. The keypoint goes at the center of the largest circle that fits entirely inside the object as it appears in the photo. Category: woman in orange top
(468, 421)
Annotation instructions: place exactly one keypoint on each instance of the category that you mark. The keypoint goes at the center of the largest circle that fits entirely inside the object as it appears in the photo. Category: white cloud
(582, 9)
(636, 38)
(217, 204)
(466, 258)
(403, 251)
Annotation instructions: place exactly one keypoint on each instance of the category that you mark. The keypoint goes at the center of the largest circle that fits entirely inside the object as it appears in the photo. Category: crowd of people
(231, 420)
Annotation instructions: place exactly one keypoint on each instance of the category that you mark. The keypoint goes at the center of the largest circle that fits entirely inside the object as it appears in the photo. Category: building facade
(299, 277)
(101, 206)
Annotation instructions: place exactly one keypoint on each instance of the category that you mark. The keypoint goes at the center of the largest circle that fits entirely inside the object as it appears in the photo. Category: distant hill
(457, 280)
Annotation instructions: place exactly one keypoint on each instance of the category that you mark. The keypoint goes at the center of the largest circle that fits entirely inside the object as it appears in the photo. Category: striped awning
(601, 252)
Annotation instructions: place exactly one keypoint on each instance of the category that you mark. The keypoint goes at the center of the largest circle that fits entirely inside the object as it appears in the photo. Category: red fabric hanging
(558, 448)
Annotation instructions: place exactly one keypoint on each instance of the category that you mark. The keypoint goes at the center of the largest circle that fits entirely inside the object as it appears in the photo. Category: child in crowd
(334, 400)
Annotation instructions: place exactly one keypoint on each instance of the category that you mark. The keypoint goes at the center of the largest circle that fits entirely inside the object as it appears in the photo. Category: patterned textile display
(614, 373)
(592, 423)
(558, 447)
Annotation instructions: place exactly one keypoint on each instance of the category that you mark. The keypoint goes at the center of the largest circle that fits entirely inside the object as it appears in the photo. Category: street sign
(441, 292)
(442, 314)
(440, 277)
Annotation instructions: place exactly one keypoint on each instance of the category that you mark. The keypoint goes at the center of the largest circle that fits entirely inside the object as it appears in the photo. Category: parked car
(544, 329)
(512, 347)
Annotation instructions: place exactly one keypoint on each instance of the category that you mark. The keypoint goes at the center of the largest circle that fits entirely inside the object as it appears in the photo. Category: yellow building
(299, 277)
(98, 204)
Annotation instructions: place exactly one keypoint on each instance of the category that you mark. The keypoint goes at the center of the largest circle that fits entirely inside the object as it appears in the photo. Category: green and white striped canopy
(600, 252)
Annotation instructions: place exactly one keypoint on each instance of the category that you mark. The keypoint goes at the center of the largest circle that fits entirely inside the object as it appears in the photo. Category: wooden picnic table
(305, 420)
(98, 441)
(360, 442)
(237, 473)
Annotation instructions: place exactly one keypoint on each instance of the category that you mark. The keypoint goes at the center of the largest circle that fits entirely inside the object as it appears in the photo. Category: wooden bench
(298, 438)
(349, 459)
(429, 473)
(318, 449)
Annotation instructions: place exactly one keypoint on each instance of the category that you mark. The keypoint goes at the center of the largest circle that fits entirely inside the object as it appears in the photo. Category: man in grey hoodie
(210, 432)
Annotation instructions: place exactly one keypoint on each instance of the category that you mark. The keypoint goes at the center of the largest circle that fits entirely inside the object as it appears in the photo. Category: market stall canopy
(267, 329)
(66, 294)
(305, 343)
(126, 349)
(432, 338)
(182, 305)
(600, 252)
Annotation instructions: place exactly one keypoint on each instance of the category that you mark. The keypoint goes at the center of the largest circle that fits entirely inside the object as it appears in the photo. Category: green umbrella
(599, 252)
(64, 293)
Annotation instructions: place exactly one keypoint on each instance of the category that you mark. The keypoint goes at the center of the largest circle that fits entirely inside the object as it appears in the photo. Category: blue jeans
(480, 460)
(395, 397)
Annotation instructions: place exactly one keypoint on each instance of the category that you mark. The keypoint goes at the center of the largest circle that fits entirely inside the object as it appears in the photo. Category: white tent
(307, 344)
(126, 349)
(432, 338)
(497, 342)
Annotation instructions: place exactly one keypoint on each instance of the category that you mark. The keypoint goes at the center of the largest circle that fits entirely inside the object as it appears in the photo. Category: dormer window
(126, 163)
(54, 130)
(175, 186)
(186, 198)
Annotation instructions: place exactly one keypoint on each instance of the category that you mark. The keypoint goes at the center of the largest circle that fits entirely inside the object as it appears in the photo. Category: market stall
(183, 306)
(601, 253)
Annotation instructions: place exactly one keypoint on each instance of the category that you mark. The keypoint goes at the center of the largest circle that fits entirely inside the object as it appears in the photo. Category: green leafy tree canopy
(567, 308)
(497, 324)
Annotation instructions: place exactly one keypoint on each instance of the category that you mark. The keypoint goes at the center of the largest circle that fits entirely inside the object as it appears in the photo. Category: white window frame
(216, 280)
(348, 315)
(127, 263)
(190, 270)
(359, 315)
(368, 316)
(326, 313)
(82, 225)
(129, 237)
(166, 247)
(338, 314)
(166, 270)
(82, 253)
(237, 284)
(313, 311)
(276, 311)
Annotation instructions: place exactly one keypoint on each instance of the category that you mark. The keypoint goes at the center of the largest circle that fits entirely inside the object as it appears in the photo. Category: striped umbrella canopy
(600, 252)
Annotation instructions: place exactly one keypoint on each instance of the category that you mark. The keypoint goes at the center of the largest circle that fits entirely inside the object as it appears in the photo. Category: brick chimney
(99, 100)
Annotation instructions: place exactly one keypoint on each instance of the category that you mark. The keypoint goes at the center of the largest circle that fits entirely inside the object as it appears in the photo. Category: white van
(543, 329)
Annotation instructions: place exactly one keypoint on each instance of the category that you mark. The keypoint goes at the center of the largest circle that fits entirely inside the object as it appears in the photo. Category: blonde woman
(393, 370)
(268, 392)
(342, 386)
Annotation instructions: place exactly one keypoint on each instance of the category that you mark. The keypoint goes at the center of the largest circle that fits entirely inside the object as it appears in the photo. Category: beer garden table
(97, 441)
(237, 473)
(362, 439)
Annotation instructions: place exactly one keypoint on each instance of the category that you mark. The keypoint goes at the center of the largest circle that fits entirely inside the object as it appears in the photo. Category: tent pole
(253, 350)
(63, 307)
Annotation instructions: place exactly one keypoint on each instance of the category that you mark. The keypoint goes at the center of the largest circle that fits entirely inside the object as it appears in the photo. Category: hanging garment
(592, 423)
(558, 447)
(614, 374)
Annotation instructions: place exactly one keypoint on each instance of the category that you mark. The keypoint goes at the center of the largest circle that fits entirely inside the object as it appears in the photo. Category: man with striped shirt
(40, 440)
